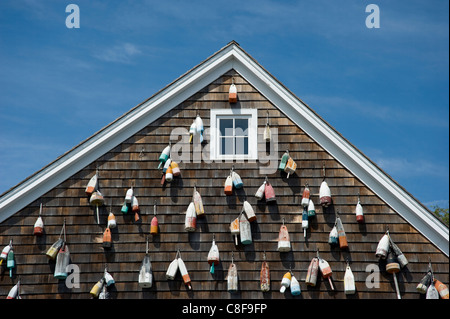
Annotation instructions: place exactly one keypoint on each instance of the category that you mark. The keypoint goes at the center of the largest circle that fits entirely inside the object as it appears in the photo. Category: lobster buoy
(175, 169)
(173, 268)
(383, 247)
(325, 194)
(39, 224)
(232, 278)
(237, 181)
(248, 209)
(135, 208)
(92, 185)
(107, 241)
(311, 209)
(326, 271)
(245, 230)
(267, 133)
(290, 167)
(295, 286)
(305, 221)
(333, 238)
(111, 220)
(343, 243)
(284, 160)
(261, 190)
(305, 196)
(198, 203)
(285, 282)
(349, 281)
(109, 280)
(232, 94)
(213, 256)
(184, 273)
(53, 250)
(14, 292)
(145, 273)
(228, 189)
(441, 288)
(5, 251)
(393, 267)
(400, 256)
(432, 292)
(424, 283)
(169, 174)
(199, 127)
(62, 261)
(97, 200)
(97, 288)
(129, 196)
(359, 213)
(10, 262)
(269, 193)
(192, 131)
(284, 243)
(264, 277)
(165, 154)
(313, 271)
(190, 223)
(234, 228)
(154, 226)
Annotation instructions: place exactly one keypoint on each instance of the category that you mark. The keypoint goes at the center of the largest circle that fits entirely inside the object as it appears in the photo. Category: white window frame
(218, 114)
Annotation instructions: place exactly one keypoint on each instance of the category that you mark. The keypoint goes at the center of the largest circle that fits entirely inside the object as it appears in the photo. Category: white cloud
(120, 53)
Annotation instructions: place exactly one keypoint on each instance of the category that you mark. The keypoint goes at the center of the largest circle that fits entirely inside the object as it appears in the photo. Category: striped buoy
(283, 161)
(285, 282)
(343, 243)
(305, 221)
(10, 262)
(228, 188)
(232, 93)
(269, 193)
(97, 200)
(154, 226)
(290, 167)
(92, 185)
(398, 253)
(169, 174)
(424, 283)
(184, 273)
(213, 256)
(111, 220)
(359, 212)
(190, 223)
(165, 154)
(175, 169)
(333, 238)
(39, 224)
(305, 196)
(173, 268)
(237, 181)
(135, 208)
(107, 241)
(267, 133)
(393, 267)
(326, 271)
(97, 288)
(53, 250)
(192, 131)
(199, 127)
(284, 243)
(5, 251)
(311, 209)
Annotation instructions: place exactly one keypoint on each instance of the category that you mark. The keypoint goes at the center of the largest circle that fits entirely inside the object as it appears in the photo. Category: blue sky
(385, 90)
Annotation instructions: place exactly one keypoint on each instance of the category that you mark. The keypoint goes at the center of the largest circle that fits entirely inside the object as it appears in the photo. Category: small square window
(233, 134)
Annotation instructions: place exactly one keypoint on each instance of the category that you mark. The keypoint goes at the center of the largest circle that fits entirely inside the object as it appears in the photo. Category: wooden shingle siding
(125, 165)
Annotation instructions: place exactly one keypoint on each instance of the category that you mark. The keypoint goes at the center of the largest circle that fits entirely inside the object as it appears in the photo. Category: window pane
(226, 146)
(241, 146)
(241, 127)
(226, 127)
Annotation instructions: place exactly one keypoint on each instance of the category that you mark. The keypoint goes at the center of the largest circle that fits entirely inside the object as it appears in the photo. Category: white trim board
(230, 57)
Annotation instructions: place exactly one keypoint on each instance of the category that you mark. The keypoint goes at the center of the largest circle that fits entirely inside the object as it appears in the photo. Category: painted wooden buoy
(313, 271)
(264, 276)
(305, 221)
(383, 247)
(135, 208)
(359, 213)
(248, 209)
(232, 93)
(14, 292)
(92, 185)
(53, 250)
(107, 241)
(305, 196)
(62, 261)
(284, 242)
(192, 131)
(184, 273)
(267, 133)
(269, 193)
(154, 226)
(190, 223)
(199, 127)
(285, 282)
(129, 196)
(213, 256)
(145, 273)
(325, 194)
(400, 256)
(169, 174)
(165, 154)
(111, 220)
(237, 181)
(232, 278)
(245, 230)
(349, 281)
(10, 262)
(97, 288)
(290, 167)
(228, 188)
(283, 161)
(393, 267)
(295, 286)
(97, 200)
(311, 209)
(109, 280)
(5, 251)
(175, 169)
(424, 283)
(343, 243)
(441, 288)
(432, 292)
(326, 271)
(333, 238)
(234, 229)
(172, 269)
(261, 190)
(39, 224)
(198, 203)
(125, 208)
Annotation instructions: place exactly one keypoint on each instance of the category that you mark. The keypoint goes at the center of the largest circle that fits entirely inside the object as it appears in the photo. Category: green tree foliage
(442, 213)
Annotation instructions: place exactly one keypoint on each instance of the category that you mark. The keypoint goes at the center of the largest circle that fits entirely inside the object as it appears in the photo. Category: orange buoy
(305, 196)
(343, 243)
(234, 228)
(228, 185)
(154, 226)
(107, 241)
(111, 220)
(175, 169)
(284, 243)
(290, 167)
(326, 271)
(184, 273)
(39, 224)
(285, 282)
(135, 208)
(169, 174)
(232, 93)
(441, 288)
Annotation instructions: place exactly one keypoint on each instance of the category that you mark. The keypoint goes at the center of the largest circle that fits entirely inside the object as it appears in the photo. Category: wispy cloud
(411, 167)
(120, 53)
